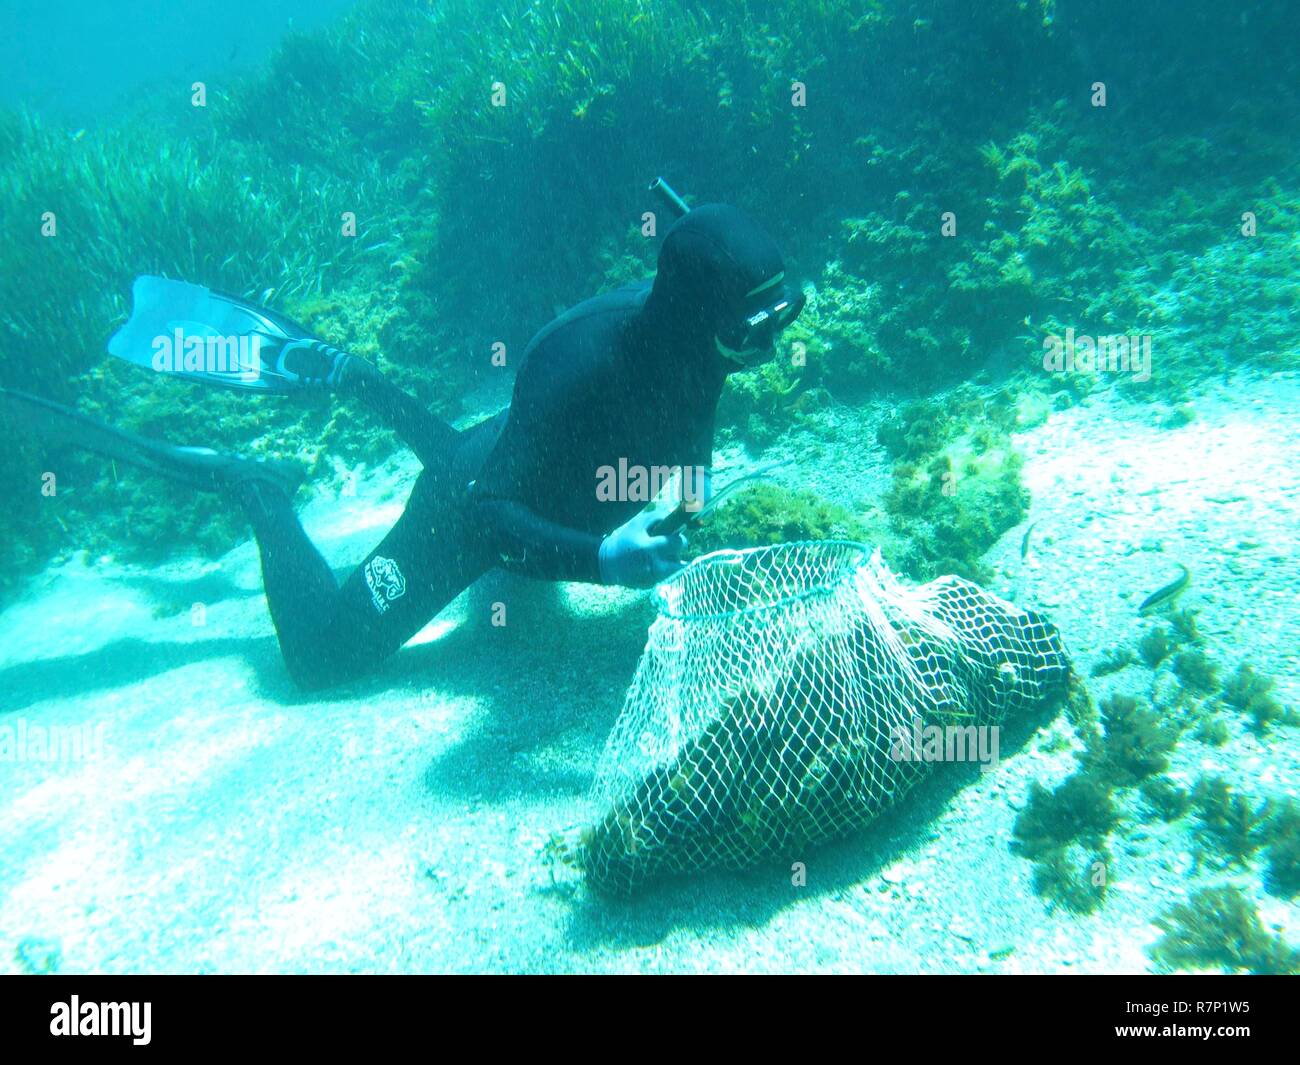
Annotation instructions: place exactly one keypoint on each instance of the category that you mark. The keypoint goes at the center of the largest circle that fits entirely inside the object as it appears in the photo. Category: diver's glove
(630, 556)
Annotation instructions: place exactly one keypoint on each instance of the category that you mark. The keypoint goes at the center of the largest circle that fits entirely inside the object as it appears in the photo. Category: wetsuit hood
(714, 263)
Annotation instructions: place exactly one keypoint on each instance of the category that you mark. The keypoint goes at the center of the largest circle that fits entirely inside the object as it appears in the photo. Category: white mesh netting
(765, 711)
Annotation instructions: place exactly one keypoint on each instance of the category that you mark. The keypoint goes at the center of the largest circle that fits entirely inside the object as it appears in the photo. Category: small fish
(1166, 595)
(1024, 544)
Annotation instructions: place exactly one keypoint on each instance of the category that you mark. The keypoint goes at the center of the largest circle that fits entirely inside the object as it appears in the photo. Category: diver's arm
(635, 555)
(531, 545)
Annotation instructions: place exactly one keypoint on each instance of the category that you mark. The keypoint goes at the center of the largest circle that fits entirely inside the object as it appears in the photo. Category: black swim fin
(199, 467)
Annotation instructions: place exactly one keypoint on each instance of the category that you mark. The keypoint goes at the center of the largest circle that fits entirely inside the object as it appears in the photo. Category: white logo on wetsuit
(385, 582)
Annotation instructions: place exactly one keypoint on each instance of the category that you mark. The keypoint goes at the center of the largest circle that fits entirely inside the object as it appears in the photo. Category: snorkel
(674, 203)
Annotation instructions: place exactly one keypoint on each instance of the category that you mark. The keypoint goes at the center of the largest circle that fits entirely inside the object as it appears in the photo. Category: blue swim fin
(201, 335)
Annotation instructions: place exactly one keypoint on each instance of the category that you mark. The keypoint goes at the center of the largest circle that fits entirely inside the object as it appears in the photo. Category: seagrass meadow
(955, 187)
(917, 109)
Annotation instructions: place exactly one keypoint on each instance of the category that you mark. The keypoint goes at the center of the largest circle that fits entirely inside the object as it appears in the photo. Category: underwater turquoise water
(77, 61)
(1047, 258)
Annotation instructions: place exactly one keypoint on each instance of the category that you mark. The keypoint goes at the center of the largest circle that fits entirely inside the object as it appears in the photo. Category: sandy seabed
(219, 821)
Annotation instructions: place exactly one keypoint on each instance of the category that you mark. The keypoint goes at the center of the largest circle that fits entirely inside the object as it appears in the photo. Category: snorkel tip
(665, 192)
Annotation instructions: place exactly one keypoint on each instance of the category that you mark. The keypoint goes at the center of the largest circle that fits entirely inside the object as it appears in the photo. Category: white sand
(232, 825)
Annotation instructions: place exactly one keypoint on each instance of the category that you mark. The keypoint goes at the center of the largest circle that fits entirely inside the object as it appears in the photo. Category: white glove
(631, 557)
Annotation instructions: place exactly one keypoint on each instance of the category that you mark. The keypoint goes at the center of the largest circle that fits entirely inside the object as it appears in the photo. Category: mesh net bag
(767, 709)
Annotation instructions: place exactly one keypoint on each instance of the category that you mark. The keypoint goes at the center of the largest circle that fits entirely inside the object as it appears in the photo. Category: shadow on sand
(550, 685)
(738, 900)
(128, 661)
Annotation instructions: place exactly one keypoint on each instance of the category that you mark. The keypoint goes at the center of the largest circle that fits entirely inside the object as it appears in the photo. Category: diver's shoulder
(605, 311)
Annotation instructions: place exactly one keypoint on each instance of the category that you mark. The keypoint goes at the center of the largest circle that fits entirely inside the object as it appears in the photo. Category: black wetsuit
(631, 376)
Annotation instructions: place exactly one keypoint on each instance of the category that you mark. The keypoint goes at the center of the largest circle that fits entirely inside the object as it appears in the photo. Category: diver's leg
(329, 634)
(428, 436)
(299, 584)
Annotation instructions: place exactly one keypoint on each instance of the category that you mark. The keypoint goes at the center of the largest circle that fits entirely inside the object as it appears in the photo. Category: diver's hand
(631, 557)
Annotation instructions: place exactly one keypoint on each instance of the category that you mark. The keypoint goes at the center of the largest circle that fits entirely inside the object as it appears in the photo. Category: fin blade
(161, 307)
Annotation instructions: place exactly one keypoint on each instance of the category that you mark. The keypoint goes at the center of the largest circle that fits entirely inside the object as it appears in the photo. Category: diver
(632, 375)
